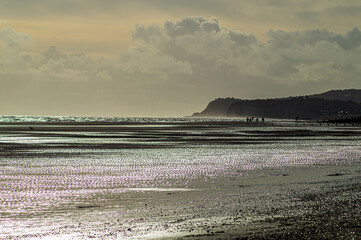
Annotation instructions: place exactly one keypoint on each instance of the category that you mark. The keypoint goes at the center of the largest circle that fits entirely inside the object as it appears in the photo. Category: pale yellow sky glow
(183, 54)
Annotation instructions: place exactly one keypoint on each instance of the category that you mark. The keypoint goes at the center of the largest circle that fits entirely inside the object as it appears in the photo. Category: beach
(77, 178)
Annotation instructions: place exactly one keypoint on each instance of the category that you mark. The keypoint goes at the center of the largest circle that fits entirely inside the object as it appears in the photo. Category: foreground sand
(188, 180)
(317, 203)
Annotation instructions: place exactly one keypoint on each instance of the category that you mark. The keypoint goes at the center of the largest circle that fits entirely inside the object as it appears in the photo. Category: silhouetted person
(263, 120)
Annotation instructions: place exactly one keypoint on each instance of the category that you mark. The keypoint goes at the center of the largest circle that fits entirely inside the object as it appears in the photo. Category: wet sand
(180, 180)
(331, 210)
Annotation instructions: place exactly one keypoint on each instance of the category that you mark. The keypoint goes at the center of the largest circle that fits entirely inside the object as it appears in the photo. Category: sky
(170, 58)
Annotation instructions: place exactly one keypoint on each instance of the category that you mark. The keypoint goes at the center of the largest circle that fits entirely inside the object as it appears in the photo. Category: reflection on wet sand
(178, 179)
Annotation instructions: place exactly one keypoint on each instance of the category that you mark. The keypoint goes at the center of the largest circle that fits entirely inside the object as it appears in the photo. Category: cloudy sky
(171, 57)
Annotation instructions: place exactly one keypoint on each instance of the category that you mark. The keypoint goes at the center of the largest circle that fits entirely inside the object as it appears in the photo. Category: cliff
(217, 108)
(328, 104)
(342, 95)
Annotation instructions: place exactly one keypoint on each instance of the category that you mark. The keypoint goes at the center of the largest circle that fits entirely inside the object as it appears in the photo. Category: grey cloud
(52, 65)
(147, 34)
(53, 53)
(70, 7)
(55, 71)
(149, 59)
(242, 39)
(12, 55)
(198, 47)
(281, 39)
(11, 38)
(195, 36)
(190, 25)
(199, 59)
(345, 11)
(103, 76)
(257, 14)
(289, 58)
(351, 40)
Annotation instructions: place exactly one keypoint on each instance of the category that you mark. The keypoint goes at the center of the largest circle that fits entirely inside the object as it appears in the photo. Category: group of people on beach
(251, 119)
